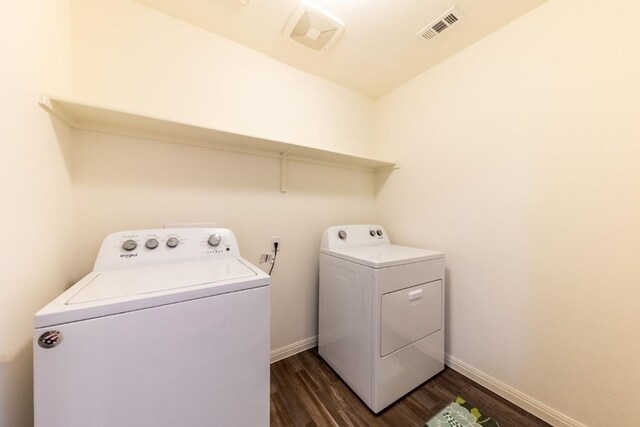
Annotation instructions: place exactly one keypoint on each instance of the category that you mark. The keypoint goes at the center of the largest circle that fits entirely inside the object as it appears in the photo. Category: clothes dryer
(381, 312)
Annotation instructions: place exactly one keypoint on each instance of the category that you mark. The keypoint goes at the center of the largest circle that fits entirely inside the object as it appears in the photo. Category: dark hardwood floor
(306, 392)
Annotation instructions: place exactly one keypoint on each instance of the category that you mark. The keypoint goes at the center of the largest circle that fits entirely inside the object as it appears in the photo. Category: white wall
(132, 57)
(520, 159)
(122, 54)
(129, 56)
(128, 183)
(35, 189)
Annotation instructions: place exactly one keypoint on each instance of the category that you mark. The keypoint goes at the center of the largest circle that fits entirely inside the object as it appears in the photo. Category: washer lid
(123, 283)
(384, 255)
(109, 292)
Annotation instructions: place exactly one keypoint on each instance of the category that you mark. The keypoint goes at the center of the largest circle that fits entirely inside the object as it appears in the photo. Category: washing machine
(381, 312)
(170, 329)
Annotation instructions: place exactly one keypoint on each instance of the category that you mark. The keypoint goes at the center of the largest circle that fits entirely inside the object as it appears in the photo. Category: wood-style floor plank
(306, 392)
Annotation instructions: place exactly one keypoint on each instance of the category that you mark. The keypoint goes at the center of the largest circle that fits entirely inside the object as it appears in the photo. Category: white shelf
(95, 118)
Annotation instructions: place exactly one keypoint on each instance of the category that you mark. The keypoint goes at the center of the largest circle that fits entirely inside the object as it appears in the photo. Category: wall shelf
(90, 117)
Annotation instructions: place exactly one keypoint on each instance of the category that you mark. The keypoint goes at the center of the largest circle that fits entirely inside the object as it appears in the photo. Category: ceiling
(377, 51)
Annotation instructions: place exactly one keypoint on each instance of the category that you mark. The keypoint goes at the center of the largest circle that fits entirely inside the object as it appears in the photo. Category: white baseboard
(291, 349)
(528, 403)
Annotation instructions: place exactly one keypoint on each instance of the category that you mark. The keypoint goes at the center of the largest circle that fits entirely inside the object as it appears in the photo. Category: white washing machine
(381, 313)
(170, 329)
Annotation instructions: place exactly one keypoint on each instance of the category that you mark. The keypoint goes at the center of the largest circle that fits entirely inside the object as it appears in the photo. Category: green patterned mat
(461, 413)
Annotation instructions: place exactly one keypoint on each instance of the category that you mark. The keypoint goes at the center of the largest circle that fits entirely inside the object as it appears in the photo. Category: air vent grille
(440, 26)
(449, 18)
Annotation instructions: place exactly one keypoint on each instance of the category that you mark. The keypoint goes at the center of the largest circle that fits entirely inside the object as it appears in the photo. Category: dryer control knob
(151, 244)
(372, 233)
(379, 232)
(342, 234)
(172, 242)
(129, 245)
(214, 240)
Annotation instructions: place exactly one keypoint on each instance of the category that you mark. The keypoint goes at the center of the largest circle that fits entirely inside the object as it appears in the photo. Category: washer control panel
(351, 236)
(137, 248)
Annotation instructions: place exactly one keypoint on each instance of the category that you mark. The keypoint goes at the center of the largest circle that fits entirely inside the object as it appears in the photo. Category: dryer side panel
(345, 321)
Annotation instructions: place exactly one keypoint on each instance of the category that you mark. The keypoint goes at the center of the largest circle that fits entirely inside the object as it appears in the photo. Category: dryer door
(410, 314)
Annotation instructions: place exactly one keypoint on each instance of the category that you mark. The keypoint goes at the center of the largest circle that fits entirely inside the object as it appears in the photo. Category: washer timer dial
(129, 245)
(214, 240)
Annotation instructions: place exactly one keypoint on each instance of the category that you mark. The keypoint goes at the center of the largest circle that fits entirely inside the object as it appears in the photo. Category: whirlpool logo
(128, 255)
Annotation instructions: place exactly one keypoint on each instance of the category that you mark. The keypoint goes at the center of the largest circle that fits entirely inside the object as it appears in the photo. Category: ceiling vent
(312, 27)
(449, 18)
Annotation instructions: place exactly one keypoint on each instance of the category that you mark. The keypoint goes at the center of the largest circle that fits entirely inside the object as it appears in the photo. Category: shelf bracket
(283, 172)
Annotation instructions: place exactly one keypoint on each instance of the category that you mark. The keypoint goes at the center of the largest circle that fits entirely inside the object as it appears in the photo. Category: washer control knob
(214, 240)
(372, 233)
(172, 242)
(342, 234)
(129, 245)
(379, 232)
(151, 244)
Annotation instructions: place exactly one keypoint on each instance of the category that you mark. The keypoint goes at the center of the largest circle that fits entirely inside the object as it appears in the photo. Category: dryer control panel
(137, 248)
(352, 236)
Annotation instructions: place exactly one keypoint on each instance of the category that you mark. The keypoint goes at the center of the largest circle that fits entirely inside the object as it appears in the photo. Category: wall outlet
(274, 240)
(266, 258)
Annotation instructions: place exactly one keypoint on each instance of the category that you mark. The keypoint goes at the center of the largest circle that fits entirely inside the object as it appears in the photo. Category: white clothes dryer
(170, 329)
(381, 312)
